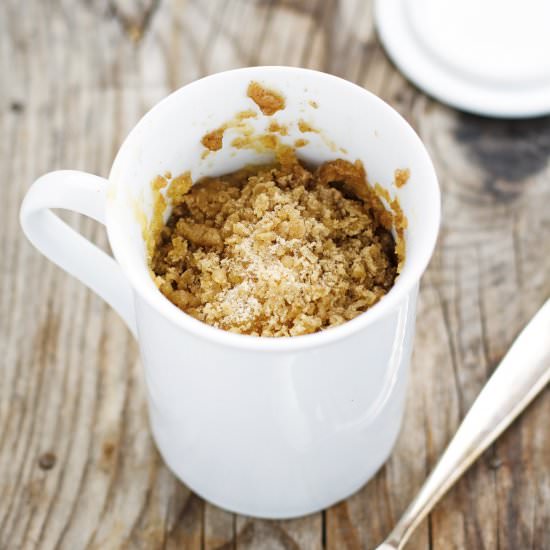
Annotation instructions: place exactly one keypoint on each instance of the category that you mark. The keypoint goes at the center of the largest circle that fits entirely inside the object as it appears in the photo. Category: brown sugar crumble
(275, 127)
(261, 143)
(304, 127)
(212, 141)
(401, 177)
(269, 101)
(279, 250)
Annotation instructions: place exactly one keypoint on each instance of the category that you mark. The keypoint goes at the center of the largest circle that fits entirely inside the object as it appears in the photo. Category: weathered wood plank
(78, 468)
(219, 528)
(255, 534)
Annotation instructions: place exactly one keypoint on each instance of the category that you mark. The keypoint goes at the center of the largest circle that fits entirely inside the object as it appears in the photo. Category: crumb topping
(213, 140)
(278, 250)
(269, 101)
(401, 177)
(304, 127)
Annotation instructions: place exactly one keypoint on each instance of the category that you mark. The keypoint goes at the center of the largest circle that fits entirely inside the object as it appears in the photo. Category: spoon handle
(521, 375)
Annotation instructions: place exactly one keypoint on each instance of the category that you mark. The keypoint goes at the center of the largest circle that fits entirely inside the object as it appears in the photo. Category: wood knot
(46, 461)
(108, 451)
(17, 107)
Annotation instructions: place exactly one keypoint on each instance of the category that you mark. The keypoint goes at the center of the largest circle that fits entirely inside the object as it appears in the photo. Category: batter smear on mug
(278, 250)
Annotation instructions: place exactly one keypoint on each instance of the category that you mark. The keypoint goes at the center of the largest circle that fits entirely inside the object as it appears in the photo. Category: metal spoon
(521, 375)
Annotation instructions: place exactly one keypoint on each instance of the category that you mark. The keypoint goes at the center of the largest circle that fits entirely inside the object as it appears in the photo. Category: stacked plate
(490, 57)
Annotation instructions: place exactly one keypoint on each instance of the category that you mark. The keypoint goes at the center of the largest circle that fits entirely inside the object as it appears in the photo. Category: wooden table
(78, 468)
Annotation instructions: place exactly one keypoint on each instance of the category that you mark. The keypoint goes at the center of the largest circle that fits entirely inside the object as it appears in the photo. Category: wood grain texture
(78, 468)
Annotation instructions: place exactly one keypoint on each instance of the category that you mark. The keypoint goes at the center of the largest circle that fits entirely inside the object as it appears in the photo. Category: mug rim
(152, 295)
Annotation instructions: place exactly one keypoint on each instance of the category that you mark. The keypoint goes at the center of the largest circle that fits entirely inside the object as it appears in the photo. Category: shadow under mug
(268, 427)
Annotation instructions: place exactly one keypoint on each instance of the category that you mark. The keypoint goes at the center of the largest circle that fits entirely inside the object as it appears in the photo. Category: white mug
(268, 427)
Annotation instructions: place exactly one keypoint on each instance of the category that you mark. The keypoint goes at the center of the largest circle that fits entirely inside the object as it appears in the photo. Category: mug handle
(86, 194)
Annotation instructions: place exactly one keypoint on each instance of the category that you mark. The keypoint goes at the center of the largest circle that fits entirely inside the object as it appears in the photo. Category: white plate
(490, 57)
